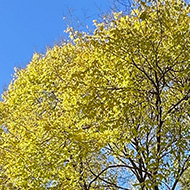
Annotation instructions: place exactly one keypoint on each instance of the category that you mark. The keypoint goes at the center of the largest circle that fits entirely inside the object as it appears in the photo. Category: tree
(185, 180)
(106, 111)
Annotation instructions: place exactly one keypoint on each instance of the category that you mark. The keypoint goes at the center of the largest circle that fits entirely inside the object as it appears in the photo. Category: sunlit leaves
(112, 103)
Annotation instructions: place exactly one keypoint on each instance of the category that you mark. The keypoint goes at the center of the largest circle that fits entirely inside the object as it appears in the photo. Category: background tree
(107, 111)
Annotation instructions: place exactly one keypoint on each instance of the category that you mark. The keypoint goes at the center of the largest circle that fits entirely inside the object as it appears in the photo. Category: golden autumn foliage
(107, 111)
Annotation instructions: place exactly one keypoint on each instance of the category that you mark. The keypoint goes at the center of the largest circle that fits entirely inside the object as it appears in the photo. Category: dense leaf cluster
(107, 111)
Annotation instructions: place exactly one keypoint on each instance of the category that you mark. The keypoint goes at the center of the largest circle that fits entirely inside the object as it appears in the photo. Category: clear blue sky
(27, 26)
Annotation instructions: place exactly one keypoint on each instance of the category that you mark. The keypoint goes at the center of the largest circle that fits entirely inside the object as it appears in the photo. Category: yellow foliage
(117, 90)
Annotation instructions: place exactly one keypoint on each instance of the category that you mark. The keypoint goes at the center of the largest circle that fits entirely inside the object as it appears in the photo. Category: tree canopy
(109, 110)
